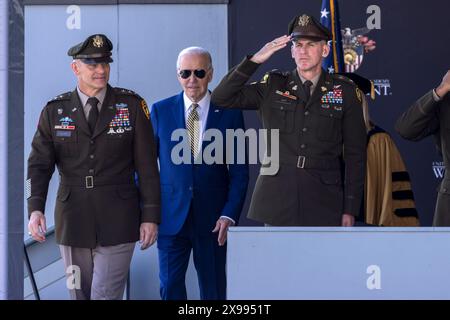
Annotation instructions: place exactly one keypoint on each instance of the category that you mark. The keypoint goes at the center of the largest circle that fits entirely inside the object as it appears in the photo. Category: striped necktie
(193, 126)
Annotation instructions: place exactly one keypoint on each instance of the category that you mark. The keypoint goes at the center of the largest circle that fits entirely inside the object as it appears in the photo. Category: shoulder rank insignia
(145, 108)
(125, 91)
(64, 96)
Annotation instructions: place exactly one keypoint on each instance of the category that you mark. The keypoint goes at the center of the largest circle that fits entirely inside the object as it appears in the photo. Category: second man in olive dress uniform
(321, 128)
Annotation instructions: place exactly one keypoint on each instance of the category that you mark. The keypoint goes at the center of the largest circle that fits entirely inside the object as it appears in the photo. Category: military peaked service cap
(305, 26)
(95, 49)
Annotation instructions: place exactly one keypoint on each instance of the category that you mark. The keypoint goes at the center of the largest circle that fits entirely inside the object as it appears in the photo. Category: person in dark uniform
(430, 115)
(99, 138)
(321, 127)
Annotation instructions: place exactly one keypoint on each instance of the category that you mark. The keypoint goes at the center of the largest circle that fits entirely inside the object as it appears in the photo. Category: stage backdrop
(410, 58)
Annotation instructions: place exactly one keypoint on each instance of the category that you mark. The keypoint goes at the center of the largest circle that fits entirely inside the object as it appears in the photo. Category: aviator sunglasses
(199, 73)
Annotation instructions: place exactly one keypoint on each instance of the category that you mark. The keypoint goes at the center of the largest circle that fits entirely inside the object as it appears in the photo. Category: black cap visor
(298, 35)
(97, 60)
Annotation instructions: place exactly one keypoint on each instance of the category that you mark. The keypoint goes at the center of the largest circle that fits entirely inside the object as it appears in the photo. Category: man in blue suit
(199, 201)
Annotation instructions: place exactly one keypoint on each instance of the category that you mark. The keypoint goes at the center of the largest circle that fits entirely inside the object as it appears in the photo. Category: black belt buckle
(89, 182)
(301, 162)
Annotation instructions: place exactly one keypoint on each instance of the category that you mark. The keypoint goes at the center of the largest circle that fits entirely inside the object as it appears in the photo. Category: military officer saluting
(321, 128)
(430, 116)
(98, 137)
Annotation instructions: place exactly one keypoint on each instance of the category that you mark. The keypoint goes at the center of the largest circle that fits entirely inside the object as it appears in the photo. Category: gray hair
(195, 50)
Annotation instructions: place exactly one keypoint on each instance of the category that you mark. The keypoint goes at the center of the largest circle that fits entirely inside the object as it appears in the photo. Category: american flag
(329, 17)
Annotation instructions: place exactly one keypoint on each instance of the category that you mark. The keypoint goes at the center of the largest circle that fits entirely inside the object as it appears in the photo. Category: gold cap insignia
(303, 21)
(97, 42)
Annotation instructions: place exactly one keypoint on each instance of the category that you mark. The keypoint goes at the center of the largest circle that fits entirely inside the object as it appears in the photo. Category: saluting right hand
(36, 226)
(269, 49)
(444, 87)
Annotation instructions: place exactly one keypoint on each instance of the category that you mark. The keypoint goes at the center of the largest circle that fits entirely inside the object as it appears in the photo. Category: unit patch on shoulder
(145, 108)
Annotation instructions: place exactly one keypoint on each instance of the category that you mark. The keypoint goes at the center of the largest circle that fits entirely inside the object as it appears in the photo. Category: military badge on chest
(121, 121)
(286, 94)
(65, 127)
(333, 99)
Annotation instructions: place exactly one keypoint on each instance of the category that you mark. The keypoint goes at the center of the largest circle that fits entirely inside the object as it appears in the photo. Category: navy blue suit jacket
(214, 189)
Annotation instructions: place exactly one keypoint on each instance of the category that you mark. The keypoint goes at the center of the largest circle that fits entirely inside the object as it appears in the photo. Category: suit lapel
(107, 112)
(80, 118)
(214, 115)
(213, 120)
(178, 112)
